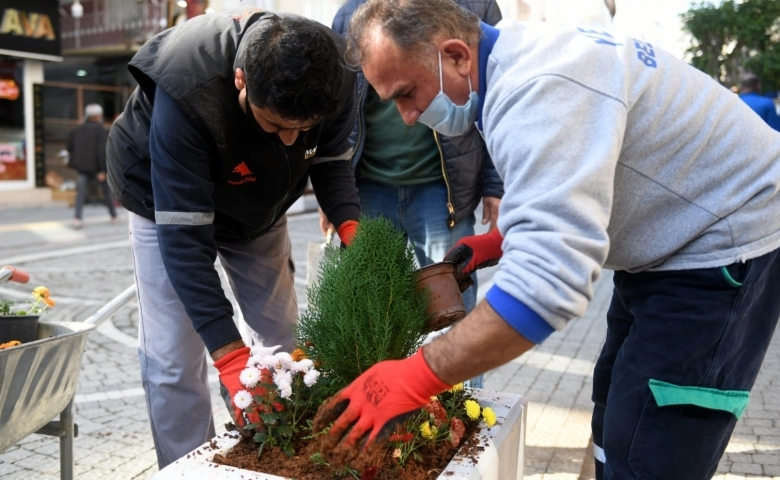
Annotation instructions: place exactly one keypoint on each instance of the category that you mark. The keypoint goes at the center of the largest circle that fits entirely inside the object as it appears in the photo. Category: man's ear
(459, 53)
(240, 79)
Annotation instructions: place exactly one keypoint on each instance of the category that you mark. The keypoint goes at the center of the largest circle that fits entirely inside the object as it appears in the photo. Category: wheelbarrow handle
(12, 274)
(109, 309)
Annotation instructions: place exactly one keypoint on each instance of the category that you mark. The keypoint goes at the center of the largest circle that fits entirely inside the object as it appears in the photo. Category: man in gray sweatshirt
(616, 155)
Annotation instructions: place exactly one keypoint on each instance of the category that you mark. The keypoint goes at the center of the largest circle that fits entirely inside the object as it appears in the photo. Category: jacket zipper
(450, 207)
(289, 181)
(361, 118)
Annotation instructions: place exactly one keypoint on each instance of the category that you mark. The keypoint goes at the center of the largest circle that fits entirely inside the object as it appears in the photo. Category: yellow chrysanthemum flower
(489, 416)
(472, 409)
(41, 292)
(426, 432)
(457, 387)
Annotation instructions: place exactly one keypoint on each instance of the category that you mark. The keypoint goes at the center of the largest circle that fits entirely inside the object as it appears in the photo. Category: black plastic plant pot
(18, 327)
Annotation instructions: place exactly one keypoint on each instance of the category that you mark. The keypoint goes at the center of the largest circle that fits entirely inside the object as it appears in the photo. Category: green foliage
(318, 459)
(734, 37)
(280, 418)
(365, 308)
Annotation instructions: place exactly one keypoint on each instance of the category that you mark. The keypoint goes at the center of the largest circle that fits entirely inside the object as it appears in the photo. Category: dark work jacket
(87, 148)
(467, 168)
(198, 168)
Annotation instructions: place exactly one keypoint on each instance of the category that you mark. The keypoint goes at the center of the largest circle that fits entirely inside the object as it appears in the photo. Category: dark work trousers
(83, 190)
(704, 334)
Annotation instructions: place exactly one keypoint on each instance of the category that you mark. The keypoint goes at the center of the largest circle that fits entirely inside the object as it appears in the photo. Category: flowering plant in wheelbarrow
(41, 301)
(365, 308)
(19, 322)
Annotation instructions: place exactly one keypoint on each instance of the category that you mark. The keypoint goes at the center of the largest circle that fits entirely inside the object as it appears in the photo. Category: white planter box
(502, 458)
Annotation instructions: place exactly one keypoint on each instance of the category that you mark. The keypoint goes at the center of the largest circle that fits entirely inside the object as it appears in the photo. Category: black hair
(293, 69)
(749, 82)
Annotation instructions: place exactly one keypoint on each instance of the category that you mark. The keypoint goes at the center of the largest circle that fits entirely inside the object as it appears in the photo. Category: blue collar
(489, 38)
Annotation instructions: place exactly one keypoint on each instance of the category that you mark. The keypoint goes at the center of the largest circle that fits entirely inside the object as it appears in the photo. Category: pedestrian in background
(87, 155)
(750, 93)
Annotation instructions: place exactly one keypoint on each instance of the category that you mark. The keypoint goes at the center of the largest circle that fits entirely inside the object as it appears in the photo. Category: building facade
(30, 36)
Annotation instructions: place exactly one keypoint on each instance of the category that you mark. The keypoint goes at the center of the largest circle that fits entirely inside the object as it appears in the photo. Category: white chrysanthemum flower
(249, 377)
(285, 359)
(311, 377)
(261, 351)
(242, 399)
(283, 356)
(270, 361)
(302, 366)
(286, 391)
(283, 379)
(254, 362)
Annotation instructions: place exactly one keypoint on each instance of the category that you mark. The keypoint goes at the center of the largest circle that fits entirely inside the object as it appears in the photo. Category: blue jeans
(704, 334)
(421, 212)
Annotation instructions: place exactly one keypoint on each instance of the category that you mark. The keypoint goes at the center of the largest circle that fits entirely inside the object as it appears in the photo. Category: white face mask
(443, 116)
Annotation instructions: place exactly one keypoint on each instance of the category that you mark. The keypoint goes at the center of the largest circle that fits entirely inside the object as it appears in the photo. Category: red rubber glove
(477, 251)
(347, 231)
(230, 367)
(377, 401)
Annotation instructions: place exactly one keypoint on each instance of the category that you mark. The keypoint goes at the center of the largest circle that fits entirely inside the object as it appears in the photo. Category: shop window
(13, 159)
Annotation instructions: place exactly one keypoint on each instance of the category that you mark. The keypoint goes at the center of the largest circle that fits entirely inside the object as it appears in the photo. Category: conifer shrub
(365, 307)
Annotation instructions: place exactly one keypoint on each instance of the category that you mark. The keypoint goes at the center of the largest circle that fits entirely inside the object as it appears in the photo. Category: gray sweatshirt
(615, 154)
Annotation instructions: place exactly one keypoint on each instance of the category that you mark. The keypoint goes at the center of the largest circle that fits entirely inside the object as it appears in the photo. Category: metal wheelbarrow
(38, 379)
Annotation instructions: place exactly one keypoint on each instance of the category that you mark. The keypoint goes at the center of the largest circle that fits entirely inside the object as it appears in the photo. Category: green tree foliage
(736, 37)
(366, 307)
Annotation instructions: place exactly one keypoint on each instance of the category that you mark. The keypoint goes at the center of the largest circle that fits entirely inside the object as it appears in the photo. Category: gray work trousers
(82, 193)
(174, 361)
